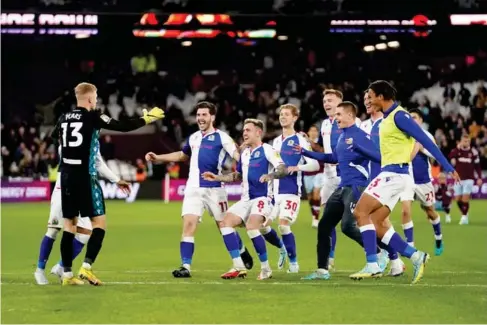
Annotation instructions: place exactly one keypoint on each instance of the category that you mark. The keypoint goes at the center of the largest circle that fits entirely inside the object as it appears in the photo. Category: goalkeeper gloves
(153, 115)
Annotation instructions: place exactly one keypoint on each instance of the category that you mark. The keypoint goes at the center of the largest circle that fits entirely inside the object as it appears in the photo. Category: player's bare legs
(407, 221)
(230, 221)
(367, 209)
(93, 248)
(435, 220)
(67, 252)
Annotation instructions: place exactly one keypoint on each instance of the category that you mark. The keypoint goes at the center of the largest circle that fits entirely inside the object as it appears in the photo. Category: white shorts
(330, 184)
(312, 182)
(197, 200)
(56, 210)
(388, 187)
(286, 206)
(259, 206)
(465, 187)
(424, 193)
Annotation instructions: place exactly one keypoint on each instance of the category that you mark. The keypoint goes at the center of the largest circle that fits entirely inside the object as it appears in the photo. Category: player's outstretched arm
(366, 148)
(104, 171)
(325, 157)
(108, 123)
(168, 157)
(227, 178)
(406, 124)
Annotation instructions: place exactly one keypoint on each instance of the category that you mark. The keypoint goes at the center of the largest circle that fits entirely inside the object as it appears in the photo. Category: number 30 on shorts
(290, 205)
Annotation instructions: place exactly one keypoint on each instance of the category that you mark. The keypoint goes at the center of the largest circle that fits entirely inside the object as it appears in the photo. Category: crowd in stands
(453, 98)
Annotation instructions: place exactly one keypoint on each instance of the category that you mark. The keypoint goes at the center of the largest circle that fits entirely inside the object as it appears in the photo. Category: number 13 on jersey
(72, 131)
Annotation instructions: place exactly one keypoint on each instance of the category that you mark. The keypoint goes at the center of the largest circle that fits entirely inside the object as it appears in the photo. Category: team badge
(290, 143)
(349, 141)
(257, 154)
(211, 138)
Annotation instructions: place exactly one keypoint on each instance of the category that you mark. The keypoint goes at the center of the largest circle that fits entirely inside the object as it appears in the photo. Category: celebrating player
(55, 223)
(467, 163)
(424, 192)
(353, 152)
(254, 209)
(397, 131)
(313, 181)
(328, 140)
(81, 193)
(207, 148)
(371, 127)
(287, 190)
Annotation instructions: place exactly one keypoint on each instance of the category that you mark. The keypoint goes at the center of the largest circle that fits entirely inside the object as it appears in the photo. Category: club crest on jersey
(349, 141)
(257, 154)
(290, 143)
(211, 138)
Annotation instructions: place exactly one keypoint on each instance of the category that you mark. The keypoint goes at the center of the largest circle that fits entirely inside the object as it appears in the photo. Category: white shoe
(40, 277)
(265, 274)
(293, 268)
(397, 268)
(58, 271)
(463, 220)
(314, 223)
(447, 219)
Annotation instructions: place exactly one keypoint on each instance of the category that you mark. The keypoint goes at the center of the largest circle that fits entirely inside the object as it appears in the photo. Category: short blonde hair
(257, 123)
(335, 92)
(84, 88)
(293, 108)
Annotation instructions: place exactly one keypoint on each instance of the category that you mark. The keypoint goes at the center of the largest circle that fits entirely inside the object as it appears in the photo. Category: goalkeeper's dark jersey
(78, 136)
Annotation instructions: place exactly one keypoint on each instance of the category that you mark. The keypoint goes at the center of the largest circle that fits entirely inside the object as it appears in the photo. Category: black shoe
(182, 272)
(247, 259)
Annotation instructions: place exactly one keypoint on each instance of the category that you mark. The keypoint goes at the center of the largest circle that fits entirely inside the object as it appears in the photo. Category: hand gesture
(209, 176)
(124, 186)
(292, 169)
(150, 156)
(153, 115)
(265, 178)
(455, 176)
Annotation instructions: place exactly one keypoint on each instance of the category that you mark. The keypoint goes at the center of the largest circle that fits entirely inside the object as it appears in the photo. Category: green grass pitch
(142, 248)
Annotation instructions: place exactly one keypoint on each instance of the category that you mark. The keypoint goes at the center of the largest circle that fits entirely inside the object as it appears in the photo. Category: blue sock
(392, 253)
(436, 226)
(273, 238)
(45, 251)
(369, 238)
(399, 245)
(409, 231)
(259, 244)
(186, 249)
(290, 243)
(333, 243)
(231, 241)
(241, 246)
(77, 248)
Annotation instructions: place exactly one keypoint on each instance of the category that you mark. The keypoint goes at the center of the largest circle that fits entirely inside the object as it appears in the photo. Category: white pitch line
(270, 282)
(339, 271)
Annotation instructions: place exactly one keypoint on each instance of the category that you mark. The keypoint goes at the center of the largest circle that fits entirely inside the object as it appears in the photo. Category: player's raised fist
(150, 156)
(153, 115)
(124, 186)
(209, 176)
